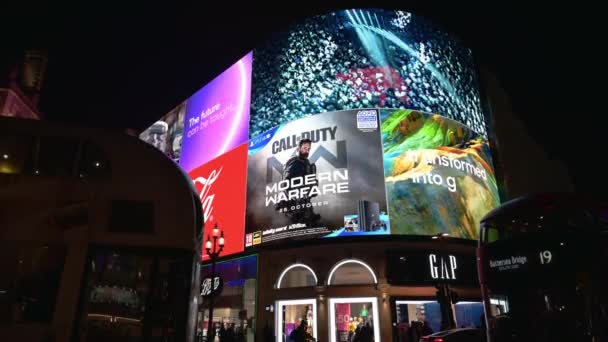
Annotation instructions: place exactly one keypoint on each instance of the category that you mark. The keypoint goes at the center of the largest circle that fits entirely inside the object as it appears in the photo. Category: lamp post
(444, 294)
(213, 251)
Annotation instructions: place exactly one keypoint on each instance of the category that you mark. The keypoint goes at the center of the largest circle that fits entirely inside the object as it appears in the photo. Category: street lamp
(213, 251)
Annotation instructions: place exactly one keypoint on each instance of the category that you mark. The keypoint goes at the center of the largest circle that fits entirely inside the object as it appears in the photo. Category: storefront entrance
(355, 301)
(234, 308)
(291, 313)
(413, 319)
(354, 318)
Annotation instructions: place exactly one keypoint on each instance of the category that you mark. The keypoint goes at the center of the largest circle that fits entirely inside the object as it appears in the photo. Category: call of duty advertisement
(167, 133)
(320, 176)
(438, 173)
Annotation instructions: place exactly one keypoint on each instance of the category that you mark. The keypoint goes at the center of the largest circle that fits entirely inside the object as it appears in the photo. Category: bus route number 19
(545, 257)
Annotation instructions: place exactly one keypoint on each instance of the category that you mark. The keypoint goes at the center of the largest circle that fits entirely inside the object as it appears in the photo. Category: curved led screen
(217, 116)
(368, 172)
(323, 191)
(359, 59)
(438, 173)
(167, 133)
(360, 84)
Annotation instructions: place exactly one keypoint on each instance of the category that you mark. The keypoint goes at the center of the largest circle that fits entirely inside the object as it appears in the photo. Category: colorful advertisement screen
(217, 116)
(362, 58)
(166, 134)
(368, 172)
(319, 176)
(438, 173)
(221, 184)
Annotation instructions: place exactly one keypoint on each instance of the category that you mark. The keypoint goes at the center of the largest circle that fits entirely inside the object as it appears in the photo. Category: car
(455, 335)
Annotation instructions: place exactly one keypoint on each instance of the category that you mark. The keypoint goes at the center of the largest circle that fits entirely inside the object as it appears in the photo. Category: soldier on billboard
(300, 166)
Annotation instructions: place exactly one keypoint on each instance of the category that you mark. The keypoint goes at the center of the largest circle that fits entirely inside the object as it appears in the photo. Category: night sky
(123, 66)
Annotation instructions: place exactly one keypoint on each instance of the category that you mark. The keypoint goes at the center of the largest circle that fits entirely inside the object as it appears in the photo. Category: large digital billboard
(363, 58)
(166, 134)
(207, 134)
(217, 116)
(438, 172)
(367, 172)
(317, 176)
(359, 84)
(221, 184)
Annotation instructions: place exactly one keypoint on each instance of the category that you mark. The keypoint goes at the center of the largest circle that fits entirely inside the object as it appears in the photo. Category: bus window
(499, 305)
(491, 234)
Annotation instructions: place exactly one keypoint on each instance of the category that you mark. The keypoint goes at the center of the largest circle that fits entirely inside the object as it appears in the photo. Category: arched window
(297, 275)
(351, 272)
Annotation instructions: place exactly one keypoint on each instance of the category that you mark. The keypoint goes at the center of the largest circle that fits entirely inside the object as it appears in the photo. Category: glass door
(354, 319)
(291, 314)
(469, 314)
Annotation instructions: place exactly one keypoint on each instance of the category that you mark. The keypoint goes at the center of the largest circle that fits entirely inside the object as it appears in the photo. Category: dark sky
(127, 63)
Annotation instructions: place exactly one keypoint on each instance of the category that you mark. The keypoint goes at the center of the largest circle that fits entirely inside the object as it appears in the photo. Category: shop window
(297, 275)
(30, 281)
(417, 318)
(351, 272)
(291, 314)
(234, 308)
(468, 314)
(354, 319)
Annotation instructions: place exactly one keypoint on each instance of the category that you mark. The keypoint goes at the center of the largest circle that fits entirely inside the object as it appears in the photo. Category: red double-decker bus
(543, 263)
